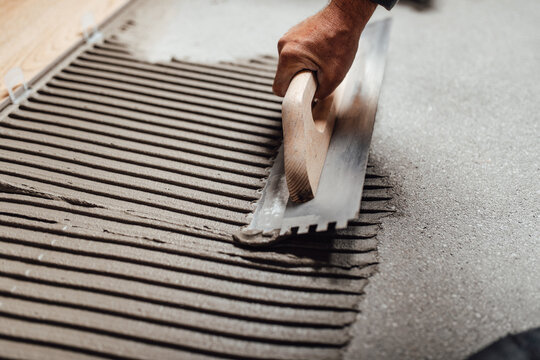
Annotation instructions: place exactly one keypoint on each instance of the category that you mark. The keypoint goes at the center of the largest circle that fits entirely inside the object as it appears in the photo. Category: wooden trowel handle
(306, 135)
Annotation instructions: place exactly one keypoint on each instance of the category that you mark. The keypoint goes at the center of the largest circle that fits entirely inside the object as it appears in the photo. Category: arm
(325, 43)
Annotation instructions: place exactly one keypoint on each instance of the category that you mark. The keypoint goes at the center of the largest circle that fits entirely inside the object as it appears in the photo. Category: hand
(325, 43)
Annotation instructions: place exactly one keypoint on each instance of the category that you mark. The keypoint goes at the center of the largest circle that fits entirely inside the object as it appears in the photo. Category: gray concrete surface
(458, 133)
(213, 30)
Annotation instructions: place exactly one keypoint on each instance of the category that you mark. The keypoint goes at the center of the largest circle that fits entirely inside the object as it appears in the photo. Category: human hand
(325, 43)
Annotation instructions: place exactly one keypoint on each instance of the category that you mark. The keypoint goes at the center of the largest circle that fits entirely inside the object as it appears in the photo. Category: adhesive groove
(286, 336)
(148, 71)
(227, 66)
(215, 70)
(68, 90)
(219, 175)
(58, 213)
(161, 118)
(210, 161)
(198, 267)
(246, 66)
(140, 135)
(203, 260)
(179, 73)
(86, 190)
(150, 186)
(160, 127)
(272, 296)
(121, 184)
(255, 128)
(299, 318)
(234, 192)
(150, 82)
(63, 80)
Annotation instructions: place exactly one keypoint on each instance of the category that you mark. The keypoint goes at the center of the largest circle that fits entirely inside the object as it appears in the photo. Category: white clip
(13, 78)
(89, 28)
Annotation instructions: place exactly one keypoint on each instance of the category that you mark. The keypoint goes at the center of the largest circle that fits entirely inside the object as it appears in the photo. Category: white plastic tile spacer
(13, 78)
(89, 28)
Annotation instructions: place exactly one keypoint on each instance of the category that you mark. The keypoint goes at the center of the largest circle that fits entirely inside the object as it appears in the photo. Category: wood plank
(36, 32)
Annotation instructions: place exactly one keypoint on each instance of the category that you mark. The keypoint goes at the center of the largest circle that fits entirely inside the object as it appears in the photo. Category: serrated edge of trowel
(268, 222)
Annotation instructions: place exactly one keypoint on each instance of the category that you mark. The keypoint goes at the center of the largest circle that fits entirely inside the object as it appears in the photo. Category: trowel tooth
(303, 229)
(342, 224)
(322, 227)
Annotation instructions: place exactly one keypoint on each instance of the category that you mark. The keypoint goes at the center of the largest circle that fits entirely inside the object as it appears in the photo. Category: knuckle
(291, 52)
(281, 44)
(277, 87)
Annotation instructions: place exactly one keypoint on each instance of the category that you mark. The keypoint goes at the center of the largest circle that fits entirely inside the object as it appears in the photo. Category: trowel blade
(340, 188)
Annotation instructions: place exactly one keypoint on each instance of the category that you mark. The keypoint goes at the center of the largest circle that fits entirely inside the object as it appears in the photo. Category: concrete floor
(458, 132)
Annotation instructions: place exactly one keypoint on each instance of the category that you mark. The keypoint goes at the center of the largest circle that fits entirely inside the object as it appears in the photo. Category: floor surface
(32, 35)
(457, 130)
(121, 185)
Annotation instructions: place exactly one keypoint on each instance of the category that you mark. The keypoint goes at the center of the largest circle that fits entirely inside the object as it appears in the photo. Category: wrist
(356, 12)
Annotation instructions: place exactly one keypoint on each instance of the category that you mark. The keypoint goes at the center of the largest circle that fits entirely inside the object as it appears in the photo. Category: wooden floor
(35, 32)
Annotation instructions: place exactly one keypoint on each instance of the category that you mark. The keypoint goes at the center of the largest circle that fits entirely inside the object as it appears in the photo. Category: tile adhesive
(121, 183)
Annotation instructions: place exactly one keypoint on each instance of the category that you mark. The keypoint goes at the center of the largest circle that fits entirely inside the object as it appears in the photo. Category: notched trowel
(316, 181)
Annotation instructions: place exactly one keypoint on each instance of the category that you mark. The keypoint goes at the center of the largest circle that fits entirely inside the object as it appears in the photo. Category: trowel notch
(340, 189)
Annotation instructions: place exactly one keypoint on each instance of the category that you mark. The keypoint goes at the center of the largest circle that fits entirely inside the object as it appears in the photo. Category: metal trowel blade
(340, 188)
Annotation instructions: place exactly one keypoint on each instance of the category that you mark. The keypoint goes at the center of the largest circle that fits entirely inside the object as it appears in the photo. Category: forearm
(357, 12)
(361, 7)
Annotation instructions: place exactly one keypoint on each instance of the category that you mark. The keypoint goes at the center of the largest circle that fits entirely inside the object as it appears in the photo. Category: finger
(326, 85)
(291, 61)
(284, 75)
(328, 81)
